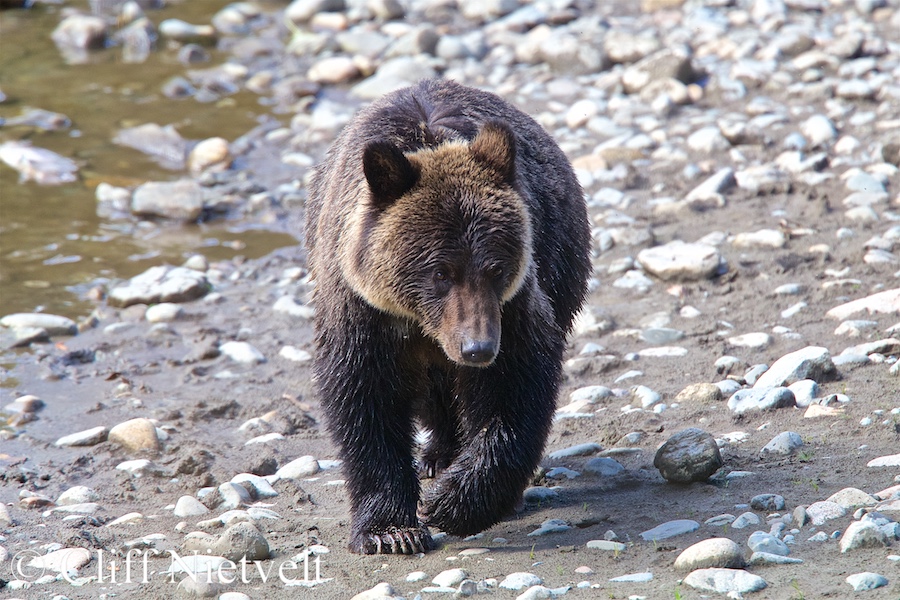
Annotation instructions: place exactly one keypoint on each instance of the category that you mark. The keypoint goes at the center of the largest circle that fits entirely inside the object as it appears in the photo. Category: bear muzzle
(478, 352)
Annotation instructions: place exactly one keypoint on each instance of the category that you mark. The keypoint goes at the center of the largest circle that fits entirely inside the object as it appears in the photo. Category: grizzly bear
(449, 242)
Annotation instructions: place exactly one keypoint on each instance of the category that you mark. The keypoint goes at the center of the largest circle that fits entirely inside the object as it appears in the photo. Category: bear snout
(478, 352)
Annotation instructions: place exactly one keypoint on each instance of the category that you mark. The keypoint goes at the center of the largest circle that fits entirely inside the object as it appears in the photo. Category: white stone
(519, 580)
(713, 552)
(242, 352)
(812, 362)
(680, 261)
(52, 324)
(449, 578)
(751, 340)
(164, 312)
(670, 529)
(887, 302)
(725, 581)
(78, 494)
(298, 468)
(188, 506)
(892, 460)
(88, 437)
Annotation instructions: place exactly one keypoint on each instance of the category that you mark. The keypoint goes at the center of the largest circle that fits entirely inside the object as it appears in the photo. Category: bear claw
(395, 541)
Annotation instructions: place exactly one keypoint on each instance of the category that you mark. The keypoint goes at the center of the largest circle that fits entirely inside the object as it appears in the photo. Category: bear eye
(440, 275)
(495, 272)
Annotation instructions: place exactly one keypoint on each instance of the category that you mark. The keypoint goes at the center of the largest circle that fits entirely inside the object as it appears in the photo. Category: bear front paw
(396, 540)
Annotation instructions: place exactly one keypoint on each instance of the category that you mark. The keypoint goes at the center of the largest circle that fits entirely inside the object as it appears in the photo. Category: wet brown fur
(449, 242)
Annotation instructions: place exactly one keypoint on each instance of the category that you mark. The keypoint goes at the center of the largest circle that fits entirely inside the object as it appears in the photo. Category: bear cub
(449, 241)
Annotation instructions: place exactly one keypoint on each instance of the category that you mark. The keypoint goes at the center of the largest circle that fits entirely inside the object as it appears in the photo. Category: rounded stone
(305, 466)
(163, 313)
(135, 435)
(78, 494)
(517, 581)
(725, 581)
(701, 393)
(767, 502)
(188, 506)
(240, 541)
(783, 444)
(714, 552)
(690, 455)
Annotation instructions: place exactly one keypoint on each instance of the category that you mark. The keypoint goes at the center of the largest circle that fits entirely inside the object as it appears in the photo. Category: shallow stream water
(53, 246)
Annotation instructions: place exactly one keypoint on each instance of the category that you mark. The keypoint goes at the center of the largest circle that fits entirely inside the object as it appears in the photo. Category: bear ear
(495, 145)
(389, 173)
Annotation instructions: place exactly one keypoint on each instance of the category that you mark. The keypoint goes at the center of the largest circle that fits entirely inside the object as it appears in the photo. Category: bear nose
(478, 351)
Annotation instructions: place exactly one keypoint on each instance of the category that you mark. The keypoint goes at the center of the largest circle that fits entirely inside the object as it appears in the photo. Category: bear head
(443, 237)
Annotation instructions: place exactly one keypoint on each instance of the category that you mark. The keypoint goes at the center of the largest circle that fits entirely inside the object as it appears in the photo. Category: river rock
(160, 284)
(767, 502)
(852, 498)
(242, 352)
(164, 144)
(679, 261)
(164, 312)
(701, 393)
(821, 512)
(80, 32)
(517, 581)
(209, 155)
(40, 165)
(188, 506)
(52, 324)
(585, 449)
(761, 541)
(78, 494)
(449, 578)
(670, 529)
(783, 444)
(242, 541)
(175, 200)
(136, 435)
(892, 460)
(382, 591)
(182, 31)
(603, 466)
(690, 455)
(887, 302)
(862, 534)
(862, 582)
(760, 399)
(305, 466)
(88, 437)
(725, 581)
(812, 362)
(663, 64)
(62, 561)
(714, 552)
